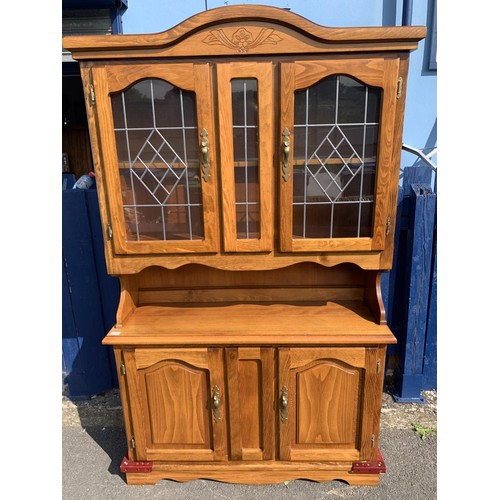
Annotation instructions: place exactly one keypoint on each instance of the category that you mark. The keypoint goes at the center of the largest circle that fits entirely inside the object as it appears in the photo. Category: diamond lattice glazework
(157, 146)
(335, 147)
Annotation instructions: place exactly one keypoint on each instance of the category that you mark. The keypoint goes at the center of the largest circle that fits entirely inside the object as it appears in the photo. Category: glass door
(246, 139)
(336, 149)
(158, 151)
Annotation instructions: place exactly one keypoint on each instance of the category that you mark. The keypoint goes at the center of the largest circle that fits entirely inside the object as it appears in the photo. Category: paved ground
(93, 445)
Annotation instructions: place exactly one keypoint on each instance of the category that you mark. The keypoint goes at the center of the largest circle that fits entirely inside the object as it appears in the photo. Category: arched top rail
(244, 30)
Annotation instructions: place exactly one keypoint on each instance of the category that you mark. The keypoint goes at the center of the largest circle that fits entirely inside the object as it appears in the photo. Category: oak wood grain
(169, 394)
(189, 76)
(385, 180)
(98, 160)
(200, 34)
(122, 76)
(129, 298)
(381, 73)
(125, 401)
(304, 281)
(242, 261)
(392, 193)
(287, 88)
(374, 379)
(250, 375)
(373, 296)
(326, 388)
(262, 72)
(254, 294)
(304, 274)
(252, 473)
(348, 322)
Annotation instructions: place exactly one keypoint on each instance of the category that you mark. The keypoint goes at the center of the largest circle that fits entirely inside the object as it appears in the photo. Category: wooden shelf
(339, 323)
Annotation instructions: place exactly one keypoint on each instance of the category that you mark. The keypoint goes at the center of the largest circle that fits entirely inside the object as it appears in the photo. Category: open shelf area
(341, 322)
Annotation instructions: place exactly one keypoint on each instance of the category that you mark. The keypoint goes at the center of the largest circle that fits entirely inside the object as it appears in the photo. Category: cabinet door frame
(263, 73)
(363, 360)
(376, 72)
(187, 76)
(210, 360)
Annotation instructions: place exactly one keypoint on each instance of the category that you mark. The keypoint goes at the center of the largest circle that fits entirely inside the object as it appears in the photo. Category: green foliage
(424, 431)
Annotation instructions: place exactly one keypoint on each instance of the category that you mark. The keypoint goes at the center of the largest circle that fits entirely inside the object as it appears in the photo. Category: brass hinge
(399, 87)
(110, 231)
(132, 442)
(378, 365)
(122, 368)
(92, 94)
(388, 226)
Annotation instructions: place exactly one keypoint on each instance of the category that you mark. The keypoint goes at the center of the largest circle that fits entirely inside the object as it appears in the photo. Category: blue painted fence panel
(70, 337)
(89, 295)
(409, 290)
(430, 358)
(109, 286)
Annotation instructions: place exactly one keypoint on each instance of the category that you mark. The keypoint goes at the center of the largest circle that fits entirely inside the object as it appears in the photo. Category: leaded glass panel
(157, 146)
(244, 93)
(336, 124)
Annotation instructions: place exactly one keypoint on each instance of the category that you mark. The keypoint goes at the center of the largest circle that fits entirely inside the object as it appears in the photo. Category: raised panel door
(174, 413)
(327, 403)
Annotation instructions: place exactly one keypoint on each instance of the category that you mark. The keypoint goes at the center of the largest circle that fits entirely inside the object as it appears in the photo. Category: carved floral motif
(242, 40)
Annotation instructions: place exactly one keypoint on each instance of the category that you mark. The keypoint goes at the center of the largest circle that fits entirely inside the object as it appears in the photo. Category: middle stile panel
(250, 386)
(246, 117)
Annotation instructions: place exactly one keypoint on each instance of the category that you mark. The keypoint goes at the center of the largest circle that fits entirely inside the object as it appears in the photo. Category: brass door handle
(216, 403)
(284, 404)
(205, 155)
(285, 154)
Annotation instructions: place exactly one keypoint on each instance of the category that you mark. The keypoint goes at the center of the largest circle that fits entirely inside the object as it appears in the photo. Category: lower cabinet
(248, 405)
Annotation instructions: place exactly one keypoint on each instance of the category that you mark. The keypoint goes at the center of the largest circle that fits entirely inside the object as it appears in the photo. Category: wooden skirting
(263, 473)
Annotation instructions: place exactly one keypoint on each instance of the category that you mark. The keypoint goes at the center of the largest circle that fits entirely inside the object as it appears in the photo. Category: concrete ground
(93, 445)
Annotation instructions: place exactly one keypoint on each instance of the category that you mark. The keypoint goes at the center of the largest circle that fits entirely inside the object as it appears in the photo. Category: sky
(150, 16)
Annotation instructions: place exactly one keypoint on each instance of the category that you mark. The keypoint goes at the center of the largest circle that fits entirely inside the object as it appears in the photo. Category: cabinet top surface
(216, 41)
(341, 322)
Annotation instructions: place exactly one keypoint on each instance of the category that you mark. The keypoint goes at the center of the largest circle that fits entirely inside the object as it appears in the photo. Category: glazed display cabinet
(247, 165)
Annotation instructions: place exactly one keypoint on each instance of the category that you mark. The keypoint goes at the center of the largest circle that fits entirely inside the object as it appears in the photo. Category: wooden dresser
(247, 164)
